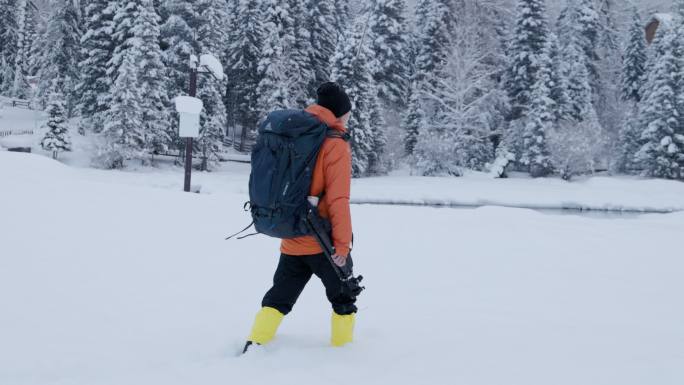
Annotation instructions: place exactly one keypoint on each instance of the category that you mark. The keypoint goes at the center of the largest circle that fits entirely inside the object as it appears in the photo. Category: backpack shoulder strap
(339, 135)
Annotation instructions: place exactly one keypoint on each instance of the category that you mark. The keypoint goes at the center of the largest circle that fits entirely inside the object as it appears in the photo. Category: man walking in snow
(303, 257)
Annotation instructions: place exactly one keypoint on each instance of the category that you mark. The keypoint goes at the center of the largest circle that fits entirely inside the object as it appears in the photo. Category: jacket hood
(326, 116)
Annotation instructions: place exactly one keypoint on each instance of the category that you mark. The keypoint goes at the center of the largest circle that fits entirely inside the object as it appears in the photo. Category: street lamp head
(213, 65)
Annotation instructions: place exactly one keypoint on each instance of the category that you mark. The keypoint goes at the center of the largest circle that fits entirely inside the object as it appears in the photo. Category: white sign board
(189, 125)
(189, 109)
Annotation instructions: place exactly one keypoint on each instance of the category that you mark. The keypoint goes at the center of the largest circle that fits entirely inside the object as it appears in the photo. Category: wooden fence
(234, 142)
(10, 133)
(21, 103)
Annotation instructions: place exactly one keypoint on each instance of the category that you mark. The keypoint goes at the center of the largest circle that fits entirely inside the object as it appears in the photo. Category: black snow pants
(292, 275)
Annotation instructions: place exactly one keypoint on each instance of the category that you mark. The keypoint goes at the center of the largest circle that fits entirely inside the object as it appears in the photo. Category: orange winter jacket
(332, 175)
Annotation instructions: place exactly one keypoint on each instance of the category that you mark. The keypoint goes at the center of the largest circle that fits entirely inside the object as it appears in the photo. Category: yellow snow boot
(265, 325)
(342, 329)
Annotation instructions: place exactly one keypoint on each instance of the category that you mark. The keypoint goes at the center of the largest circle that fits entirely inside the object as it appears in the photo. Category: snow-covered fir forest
(538, 86)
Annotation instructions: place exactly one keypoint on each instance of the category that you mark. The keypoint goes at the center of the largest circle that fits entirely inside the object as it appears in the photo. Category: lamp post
(188, 141)
(190, 108)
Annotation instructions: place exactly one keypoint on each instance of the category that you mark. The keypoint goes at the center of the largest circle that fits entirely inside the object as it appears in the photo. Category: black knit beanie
(332, 96)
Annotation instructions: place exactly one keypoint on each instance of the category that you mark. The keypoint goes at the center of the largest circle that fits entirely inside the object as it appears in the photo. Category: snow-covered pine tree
(17, 58)
(608, 38)
(20, 88)
(353, 72)
(414, 120)
(577, 142)
(301, 71)
(282, 19)
(274, 86)
(244, 52)
(178, 36)
(678, 8)
(455, 8)
(9, 38)
(581, 20)
(378, 164)
(490, 21)
(387, 34)
(229, 94)
(662, 140)
(528, 42)
(161, 11)
(97, 49)
(577, 80)
(61, 53)
(57, 138)
(178, 40)
(678, 26)
(125, 43)
(558, 85)
(607, 103)
(123, 130)
(629, 143)
(588, 24)
(212, 122)
(433, 19)
(321, 26)
(212, 35)
(156, 113)
(130, 117)
(633, 77)
(539, 122)
(342, 16)
(212, 30)
(32, 40)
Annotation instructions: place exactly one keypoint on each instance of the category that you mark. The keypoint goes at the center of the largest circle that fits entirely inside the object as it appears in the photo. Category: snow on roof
(188, 105)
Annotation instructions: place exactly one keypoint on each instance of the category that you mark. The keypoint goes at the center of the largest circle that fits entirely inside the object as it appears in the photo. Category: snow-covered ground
(119, 278)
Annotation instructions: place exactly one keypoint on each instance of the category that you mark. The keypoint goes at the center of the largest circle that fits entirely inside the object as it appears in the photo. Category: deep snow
(119, 278)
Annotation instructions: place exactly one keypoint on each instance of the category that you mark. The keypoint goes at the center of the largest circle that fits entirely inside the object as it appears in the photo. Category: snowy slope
(105, 280)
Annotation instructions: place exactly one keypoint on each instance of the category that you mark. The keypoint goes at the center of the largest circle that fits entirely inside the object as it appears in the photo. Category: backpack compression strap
(247, 207)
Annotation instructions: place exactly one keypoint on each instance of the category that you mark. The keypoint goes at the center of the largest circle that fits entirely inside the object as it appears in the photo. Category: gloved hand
(340, 260)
